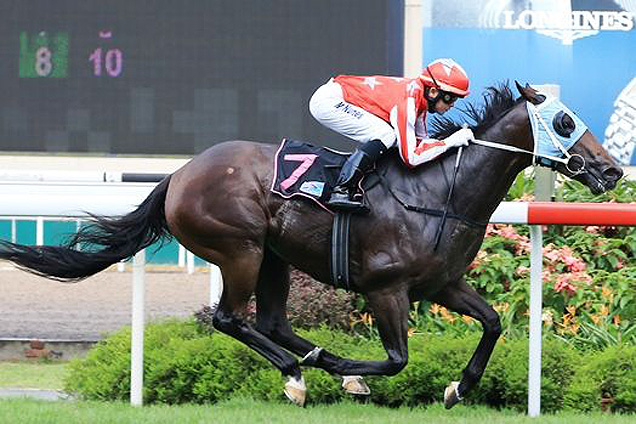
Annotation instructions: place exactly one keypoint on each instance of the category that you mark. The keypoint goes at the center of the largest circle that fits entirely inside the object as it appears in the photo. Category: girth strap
(339, 262)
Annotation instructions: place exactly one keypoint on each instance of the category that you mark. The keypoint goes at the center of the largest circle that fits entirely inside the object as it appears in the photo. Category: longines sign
(567, 26)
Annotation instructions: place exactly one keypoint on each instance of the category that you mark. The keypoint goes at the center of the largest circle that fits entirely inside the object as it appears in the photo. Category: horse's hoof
(296, 391)
(451, 396)
(355, 385)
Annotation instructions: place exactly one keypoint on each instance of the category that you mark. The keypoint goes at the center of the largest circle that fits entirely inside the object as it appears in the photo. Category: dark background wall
(168, 77)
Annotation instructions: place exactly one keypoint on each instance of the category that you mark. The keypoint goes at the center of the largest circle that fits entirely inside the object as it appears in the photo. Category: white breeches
(327, 105)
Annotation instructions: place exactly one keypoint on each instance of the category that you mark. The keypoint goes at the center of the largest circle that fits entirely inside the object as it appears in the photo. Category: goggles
(448, 98)
(445, 96)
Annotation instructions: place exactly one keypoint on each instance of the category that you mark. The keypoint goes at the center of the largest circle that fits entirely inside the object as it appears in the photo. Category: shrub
(589, 277)
(434, 361)
(505, 384)
(183, 364)
(310, 304)
(104, 374)
(605, 379)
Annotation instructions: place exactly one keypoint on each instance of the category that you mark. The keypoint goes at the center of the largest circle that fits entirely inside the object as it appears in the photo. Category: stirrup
(341, 201)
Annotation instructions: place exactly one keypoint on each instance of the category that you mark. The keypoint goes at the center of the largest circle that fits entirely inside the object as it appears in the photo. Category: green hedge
(607, 377)
(184, 364)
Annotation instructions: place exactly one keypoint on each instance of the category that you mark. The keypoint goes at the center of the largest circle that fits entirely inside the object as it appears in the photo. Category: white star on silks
(412, 87)
(447, 65)
(371, 82)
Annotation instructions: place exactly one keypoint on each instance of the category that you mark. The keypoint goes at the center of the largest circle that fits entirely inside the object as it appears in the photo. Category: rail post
(137, 335)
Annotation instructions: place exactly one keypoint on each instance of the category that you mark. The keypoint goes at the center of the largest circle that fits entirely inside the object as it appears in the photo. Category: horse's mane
(497, 101)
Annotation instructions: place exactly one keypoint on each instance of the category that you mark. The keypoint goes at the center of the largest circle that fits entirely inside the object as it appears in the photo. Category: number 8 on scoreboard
(43, 55)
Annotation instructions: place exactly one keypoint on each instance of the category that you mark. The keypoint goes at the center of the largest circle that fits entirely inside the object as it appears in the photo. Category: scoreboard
(175, 77)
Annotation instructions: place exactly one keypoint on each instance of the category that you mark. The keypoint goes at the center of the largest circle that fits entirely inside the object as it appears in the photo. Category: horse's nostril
(612, 173)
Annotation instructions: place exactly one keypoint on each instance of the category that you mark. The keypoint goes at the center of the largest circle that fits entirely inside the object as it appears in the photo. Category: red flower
(562, 284)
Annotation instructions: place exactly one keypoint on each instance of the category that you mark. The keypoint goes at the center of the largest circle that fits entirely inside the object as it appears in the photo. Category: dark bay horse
(219, 206)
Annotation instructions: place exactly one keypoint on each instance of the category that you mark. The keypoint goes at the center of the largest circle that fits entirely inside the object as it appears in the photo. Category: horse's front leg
(460, 297)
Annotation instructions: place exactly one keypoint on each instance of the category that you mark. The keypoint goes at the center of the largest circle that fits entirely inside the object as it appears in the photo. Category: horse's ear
(530, 94)
(523, 90)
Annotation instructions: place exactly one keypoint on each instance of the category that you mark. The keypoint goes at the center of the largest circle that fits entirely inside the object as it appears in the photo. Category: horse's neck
(485, 174)
(483, 179)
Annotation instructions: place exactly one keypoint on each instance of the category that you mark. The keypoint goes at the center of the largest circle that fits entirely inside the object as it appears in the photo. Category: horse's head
(564, 143)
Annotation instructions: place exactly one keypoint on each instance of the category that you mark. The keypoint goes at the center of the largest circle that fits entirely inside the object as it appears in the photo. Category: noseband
(547, 144)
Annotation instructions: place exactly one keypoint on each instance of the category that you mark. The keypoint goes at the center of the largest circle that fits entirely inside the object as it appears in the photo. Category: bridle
(542, 153)
(574, 163)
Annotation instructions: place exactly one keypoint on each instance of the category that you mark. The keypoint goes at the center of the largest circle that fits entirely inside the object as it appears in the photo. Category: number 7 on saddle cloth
(301, 169)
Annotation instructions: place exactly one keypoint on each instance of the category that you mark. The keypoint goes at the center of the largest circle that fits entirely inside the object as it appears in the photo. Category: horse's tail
(105, 241)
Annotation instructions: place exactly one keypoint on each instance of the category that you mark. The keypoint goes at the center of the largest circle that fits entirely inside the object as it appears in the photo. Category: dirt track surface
(32, 307)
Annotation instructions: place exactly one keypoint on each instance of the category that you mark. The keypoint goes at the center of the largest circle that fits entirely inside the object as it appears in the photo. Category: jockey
(382, 111)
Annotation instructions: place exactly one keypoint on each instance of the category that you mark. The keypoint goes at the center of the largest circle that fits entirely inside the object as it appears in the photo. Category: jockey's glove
(460, 138)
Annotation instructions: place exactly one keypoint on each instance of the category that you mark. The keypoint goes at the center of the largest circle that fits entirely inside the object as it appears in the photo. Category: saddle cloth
(302, 169)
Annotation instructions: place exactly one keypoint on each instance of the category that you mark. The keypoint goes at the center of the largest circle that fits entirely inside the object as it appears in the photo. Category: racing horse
(220, 207)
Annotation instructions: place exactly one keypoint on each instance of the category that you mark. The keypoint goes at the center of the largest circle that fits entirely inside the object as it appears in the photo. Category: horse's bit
(547, 144)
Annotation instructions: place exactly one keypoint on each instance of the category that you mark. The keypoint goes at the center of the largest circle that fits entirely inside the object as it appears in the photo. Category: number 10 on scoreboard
(43, 55)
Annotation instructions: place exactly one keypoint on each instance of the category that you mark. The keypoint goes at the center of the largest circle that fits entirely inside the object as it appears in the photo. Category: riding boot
(360, 161)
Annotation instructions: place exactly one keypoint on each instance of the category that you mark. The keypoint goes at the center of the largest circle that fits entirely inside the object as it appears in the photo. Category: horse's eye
(563, 124)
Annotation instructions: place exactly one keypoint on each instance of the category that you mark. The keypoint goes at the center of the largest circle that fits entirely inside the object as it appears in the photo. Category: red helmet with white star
(446, 75)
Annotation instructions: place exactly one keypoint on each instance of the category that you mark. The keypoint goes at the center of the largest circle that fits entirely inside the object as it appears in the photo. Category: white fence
(184, 258)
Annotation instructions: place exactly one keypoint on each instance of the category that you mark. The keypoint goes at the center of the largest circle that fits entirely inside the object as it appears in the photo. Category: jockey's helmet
(447, 76)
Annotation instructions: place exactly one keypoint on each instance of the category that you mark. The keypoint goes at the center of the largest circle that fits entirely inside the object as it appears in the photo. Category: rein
(442, 222)
(575, 170)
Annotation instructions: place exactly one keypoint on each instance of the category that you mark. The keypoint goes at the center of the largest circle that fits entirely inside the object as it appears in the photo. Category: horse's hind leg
(272, 291)
(391, 309)
(271, 320)
(462, 298)
(240, 275)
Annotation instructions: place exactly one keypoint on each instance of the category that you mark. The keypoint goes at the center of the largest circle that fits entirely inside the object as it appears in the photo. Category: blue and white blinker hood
(551, 143)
